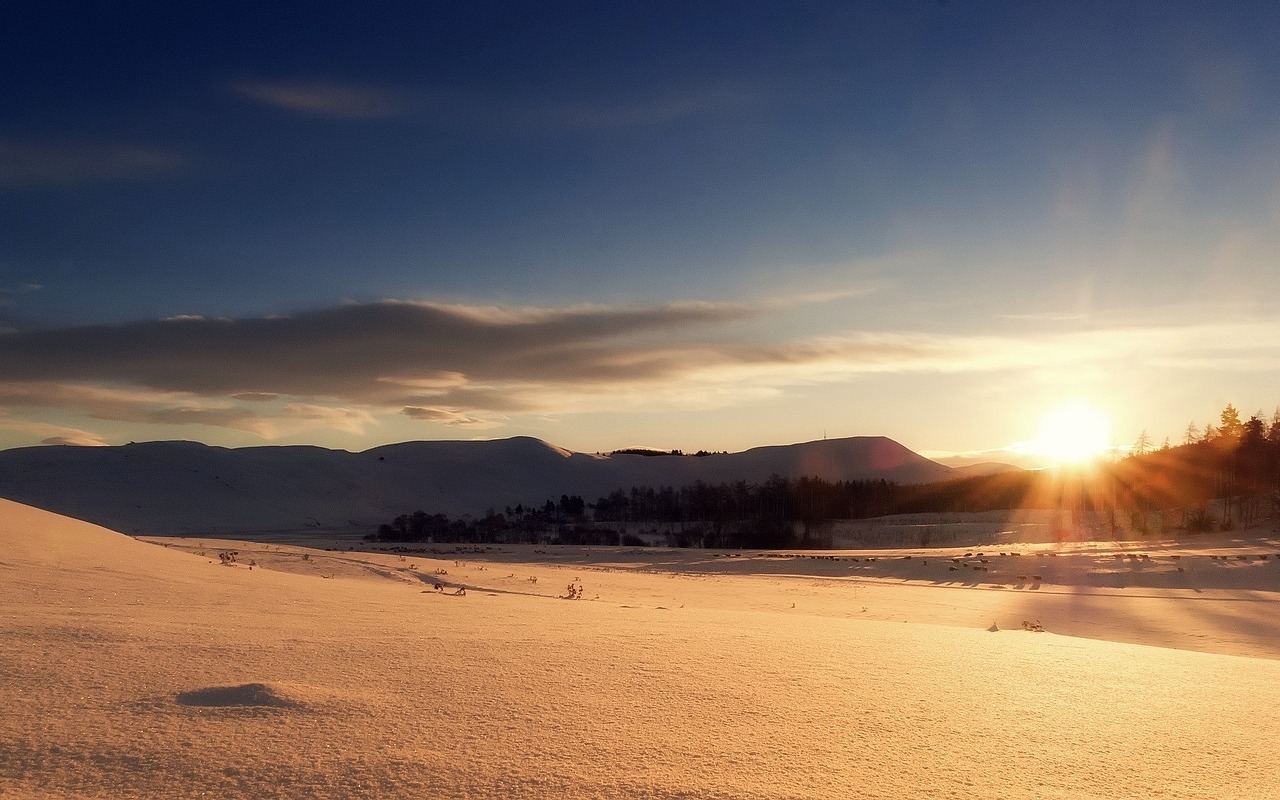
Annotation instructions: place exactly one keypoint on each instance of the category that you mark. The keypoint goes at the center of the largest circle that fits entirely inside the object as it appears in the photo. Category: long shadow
(474, 587)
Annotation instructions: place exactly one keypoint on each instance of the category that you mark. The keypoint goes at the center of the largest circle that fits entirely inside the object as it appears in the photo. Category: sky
(690, 225)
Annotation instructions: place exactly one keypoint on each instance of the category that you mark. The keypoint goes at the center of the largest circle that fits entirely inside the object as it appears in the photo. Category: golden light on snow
(1072, 433)
(874, 674)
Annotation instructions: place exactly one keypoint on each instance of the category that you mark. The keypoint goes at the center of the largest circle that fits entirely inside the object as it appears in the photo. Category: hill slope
(186, 487)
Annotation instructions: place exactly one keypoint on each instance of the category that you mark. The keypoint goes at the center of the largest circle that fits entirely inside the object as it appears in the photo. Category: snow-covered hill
(186, 487)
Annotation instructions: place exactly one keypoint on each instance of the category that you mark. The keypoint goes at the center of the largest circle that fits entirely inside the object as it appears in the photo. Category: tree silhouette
(1142, 445)
(1229, 422)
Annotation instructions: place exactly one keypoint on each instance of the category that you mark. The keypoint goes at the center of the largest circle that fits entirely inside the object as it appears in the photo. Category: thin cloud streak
(327, 99)
(355, 101)
(51, 434)
(36, 164)
(178, 408)
(447, 416)
(646, 112)
(474, 367)
(357, 351)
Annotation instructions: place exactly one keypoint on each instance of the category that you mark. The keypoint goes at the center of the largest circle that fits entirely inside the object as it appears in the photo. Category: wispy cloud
(177, 408)
(51, 434)
(131, 405)
(31, 164)
(8, 293)
(474, 367)
(363, 351)
(349, 100)
(327, 98)
(448, 416)
(1046, 316)
(295, 417)
(660, 109)
(457, 365)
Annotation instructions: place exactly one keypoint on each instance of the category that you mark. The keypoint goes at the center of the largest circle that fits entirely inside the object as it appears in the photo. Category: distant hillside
(983, 468)
(187, 487)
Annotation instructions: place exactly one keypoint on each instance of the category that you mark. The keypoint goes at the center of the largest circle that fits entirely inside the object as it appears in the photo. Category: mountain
(187, 487)
(982, 469)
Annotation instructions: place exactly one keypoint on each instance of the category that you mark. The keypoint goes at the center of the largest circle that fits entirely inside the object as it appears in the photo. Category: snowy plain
(154, 669)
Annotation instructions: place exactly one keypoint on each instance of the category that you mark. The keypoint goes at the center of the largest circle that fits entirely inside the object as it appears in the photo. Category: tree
(1273, 452)
(1142, 445)
(1229, 423)
(574, 508)
(1273, 432)
(1253, 456)
(1253, 432)
(1193, 433)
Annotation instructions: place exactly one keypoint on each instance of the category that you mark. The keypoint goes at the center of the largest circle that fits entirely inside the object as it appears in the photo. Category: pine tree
(1230, 425)
(1142, 445)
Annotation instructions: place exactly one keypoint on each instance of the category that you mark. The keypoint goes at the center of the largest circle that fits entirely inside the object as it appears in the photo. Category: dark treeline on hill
(645, 451)
(1224, 477)
(714, 515)
(1227, 476)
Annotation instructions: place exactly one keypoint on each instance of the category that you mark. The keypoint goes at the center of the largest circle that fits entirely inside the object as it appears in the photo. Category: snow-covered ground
(137, 669)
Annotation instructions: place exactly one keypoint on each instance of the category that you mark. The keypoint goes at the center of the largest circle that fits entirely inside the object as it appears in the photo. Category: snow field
(133, 670)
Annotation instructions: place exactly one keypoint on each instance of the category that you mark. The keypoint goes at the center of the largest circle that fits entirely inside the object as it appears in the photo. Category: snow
(187, 487)
(138, 669)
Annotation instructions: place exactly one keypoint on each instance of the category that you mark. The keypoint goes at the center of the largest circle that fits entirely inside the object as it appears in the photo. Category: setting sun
(1072, 433)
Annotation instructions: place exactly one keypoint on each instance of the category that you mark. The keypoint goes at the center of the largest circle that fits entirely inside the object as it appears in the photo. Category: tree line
(779, 512)
(1223, 476)
(1220, 477)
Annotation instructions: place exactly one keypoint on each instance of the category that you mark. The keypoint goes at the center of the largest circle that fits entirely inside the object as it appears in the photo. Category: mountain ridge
(182, 487)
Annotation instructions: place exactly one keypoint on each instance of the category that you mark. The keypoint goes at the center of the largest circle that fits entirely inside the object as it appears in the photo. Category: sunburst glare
(1073, 433)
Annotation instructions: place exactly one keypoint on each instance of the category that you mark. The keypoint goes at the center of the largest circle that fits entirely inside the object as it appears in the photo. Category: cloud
(639, 112)
(448, 416)
(51, 434)
(327, 99)
(133, 405)
(150, 407)
(464, 366)
(1046, 316)
(303, 416)
(30, 164)
(472, 366)
(75, 441)
(363, 352)
(346, 100)
(9, 293)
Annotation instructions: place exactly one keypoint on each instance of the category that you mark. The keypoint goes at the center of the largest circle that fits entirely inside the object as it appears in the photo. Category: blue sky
(694, 225)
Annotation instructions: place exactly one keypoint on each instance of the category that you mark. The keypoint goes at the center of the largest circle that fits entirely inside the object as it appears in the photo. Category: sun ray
(1073, 433)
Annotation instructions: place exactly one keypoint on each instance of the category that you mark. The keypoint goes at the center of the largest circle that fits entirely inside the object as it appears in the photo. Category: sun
(1072, 433)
